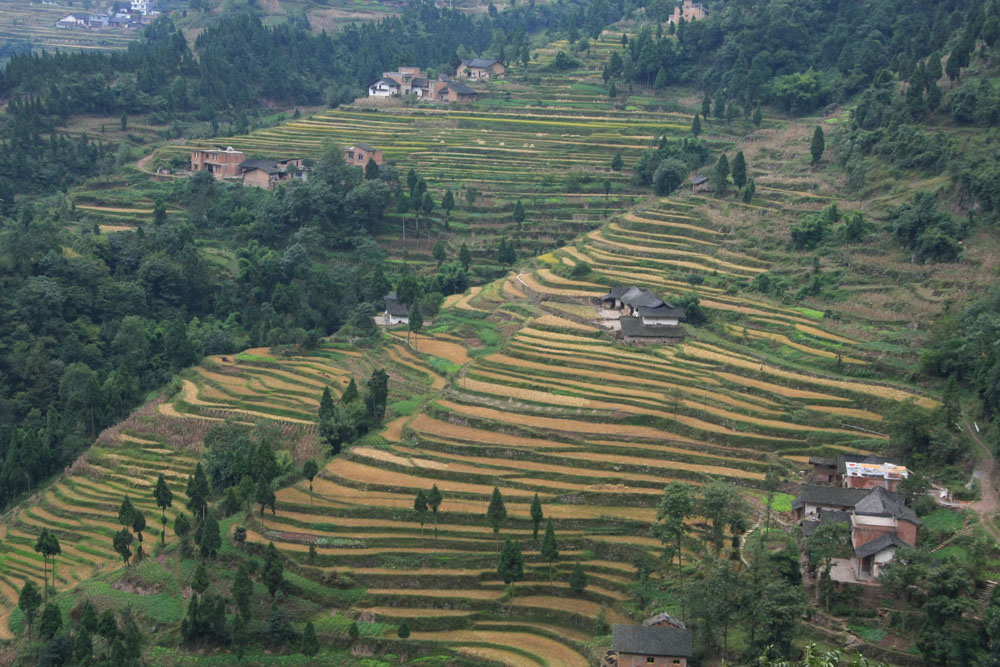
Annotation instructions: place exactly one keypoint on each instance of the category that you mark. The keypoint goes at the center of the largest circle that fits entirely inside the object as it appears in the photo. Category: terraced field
(35, 23)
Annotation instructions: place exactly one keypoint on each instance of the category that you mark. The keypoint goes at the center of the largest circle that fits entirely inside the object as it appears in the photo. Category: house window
(350, 155)
(650, 660)
(676, 661)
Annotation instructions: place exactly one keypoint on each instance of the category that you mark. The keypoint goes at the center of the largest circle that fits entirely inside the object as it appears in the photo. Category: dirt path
(143, 166)
(986, 508)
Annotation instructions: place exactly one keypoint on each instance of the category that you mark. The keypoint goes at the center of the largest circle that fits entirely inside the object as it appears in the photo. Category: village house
(660, 644)
(699, 184)
(641, 316)
(412, 81)
(689, 11)
(396, 312)
(481, 68)
(221, 163)
(878, 523)
(140, 7)
(73, 21)
(267, 174)
(858, 471)
(360, 155)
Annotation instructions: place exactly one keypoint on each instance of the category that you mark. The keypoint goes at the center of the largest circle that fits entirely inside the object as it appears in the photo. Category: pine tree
(351, 393)
(439, 253)
(447, 203)
(661, 79)
(758, 117)
(164, 499)
(696, 126)
(434, 499)
(310, 644)
(706, 106)
(125, 512)
(28, 602)
(578, 579)
(138, 525)
(720, 176)
(496, 513)
(464, 256)
(51, 621)
(200, 583)
(84, 648)
(739, 170)
(420, 507)
(617, 162)
(47, 544)
(197, 492)
(211, 537)
(518, 215)
(818, 145)
(242, 590)
(272, 574)
(371, 170)
(309, 471)
(510, 565)
(403, 631)
(326, 405)
(536, 516)
(550, 549)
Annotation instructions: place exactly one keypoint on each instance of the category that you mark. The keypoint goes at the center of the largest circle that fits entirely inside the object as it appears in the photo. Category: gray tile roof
(879, 502)
(364, 147)
(479, 62)
(663, 310)
(830, 495)
(636, 297)
(268, 166)
(651, 641)
(880, 543)
(461, 88)
(822, 461)
(394, 307)
(664, 617)
(634, 328)
(615, 292)
(698, 180)
(825, 516)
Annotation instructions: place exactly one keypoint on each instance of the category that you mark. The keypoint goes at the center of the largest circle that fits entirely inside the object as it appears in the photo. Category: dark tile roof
(822, 461)
(649, 640)
(830, 495)
(479, 62)
(879, 502)
(663, 310)
(394, 307)
(418, 82)
(880, 543)
(388, 82)
(698, 180)
(825, 516)
(634, 328)
(615, 292)
(461, 88)
(664, 617)
(268, 166)
(636, 297)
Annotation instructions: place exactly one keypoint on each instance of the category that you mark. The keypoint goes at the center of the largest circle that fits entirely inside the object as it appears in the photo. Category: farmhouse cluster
(859, 491)
(133, 14)
(413, 81)
(228, 163)
(641, 317)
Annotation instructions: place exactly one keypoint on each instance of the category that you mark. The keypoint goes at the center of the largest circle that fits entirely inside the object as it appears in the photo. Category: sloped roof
(418, 82)
(822, 461)
(651, 640)
(480, 62)
(269, 166)
(394, 307)
(829, 495)
(880, 543)
(636, 297)
(663, 310)
(879, 502)
(664, 617)
(634, 328)
(388, 82)
(616, 292)
(698, 180)
(461, 88)
(364, 147)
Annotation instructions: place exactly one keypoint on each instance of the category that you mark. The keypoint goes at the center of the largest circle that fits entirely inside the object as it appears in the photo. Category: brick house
(221, 163)
(689, 11)
(481, 68)
(878, 521)
(660, 645)
(359, 155)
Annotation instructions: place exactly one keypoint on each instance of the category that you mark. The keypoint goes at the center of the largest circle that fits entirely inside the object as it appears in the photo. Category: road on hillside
(986, 508)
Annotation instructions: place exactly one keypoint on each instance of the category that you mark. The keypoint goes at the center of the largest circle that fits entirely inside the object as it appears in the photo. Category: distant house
(633, 331)
(651, 645)
(140, 6)
(396, 312)
(73, 21)
(699, 184)
(481, 68)
(689, 11)
(360, 155)
(220, 162)
(664, 620)
(454, 91)
(383, 88)
(266, 174)
(643, 317)
(859, 471)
